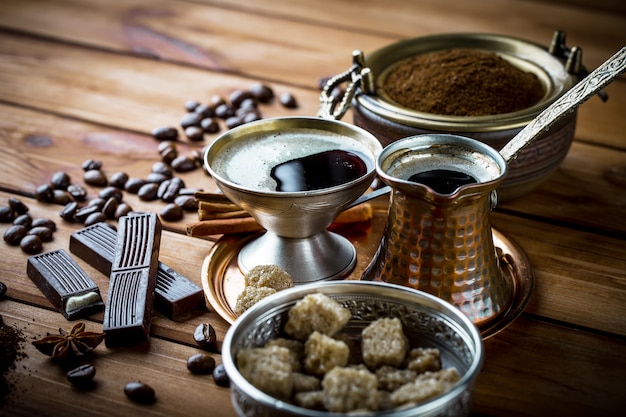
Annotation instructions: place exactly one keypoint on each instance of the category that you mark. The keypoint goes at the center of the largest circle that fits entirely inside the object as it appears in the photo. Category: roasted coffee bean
(94, 218)
(169, 155)
(77, 191)
(91, 164)
(201, 364)
(262, 92)
(14, 234)
(204, 110)
(172, 212)
(140, 393)
(43, 232)
(205, 337)
(247, 105)
(165, 133)
(162, 168)
(17, 205)
(3, 291)
(69, 211)
(190, 119)
(190, 105)
(194, 133)
(110, 208)
(189, 191)
(288, 101)
(122, 210)
(251, 117)
(134, 184)
(156, 177)
(24, 219)
(224, 111)
(60, 180)
(183, 164)
(187, 202)
(233, 121)
(111, 192)
(45, 222)
(165, 145)
(86, 211)
(95, 177)
(172, 189)
(216, 100)
(82, 377)
(31, 244)
(220, 376)
(210, 125)
(98, 202)
(60, 197)
(6, 214)
(148, 192)
(238, 96)
(118, 180)
(44, 193)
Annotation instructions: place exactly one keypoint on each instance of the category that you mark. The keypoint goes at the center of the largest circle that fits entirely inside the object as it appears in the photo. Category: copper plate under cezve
(223, 281)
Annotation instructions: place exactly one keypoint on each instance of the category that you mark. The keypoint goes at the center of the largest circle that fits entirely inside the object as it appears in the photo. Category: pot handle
(358, 75)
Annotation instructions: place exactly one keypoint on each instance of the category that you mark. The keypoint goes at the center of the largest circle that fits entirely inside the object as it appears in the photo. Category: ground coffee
(11, 342)
(462, 82)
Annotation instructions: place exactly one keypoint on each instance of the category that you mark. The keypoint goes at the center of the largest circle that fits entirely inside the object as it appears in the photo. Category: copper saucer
(223, 281)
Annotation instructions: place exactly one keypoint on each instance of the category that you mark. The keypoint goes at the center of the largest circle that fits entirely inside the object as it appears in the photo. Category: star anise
(66, 345)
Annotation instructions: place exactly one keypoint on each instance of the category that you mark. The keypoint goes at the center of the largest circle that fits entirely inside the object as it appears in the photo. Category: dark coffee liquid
(443, 181)
(318, 171)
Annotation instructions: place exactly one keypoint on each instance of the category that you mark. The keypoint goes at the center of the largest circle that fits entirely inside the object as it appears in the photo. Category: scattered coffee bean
(172, 189)
(60, 180)
(248, 105)
(162, 168)
(169, 155)
(82, 377)
(140, 393)
(148, 192)
(43, 232)
(220, 376)
(238, 96)
(118, 179)
(17, 205)
(216, 100)
(201, 364)
(205, 337)
(165, 145)
(60, 197)
(94, 218)
(165, 133)
(91, 164)
(69, 211)
(110, 208)
(111, 192)
(98, 202)
(262, 92)
(194, 133)
(190, 119)
(44, 193)
(156, 178)
(210, 125)
(233, 121)
(288, 101)
(95, 177)
(24, 220)
(3, 291)
(204, 110)
(6, 214)
(122, 210)
(251, 117)
(77, 191)
(190, 105)
(31, 244)
(183, 164)
(44, 222)
(82, 213)
(189, 191)
(14, 234)
(133, 185)
(187, 202)
(198, 157)
(172, 212)
(224, 111)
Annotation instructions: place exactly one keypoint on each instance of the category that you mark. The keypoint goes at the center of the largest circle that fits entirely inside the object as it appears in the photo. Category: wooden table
(90, 79)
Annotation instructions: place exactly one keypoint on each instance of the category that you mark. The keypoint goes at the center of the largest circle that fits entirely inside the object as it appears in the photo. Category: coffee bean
(210, 125)
(190, 105)
(247, 105)
(44, 193)
(3, 291)
(14, 234)
(194, 133)
(110, 208)
(122, 210)
(31, 244)
(82, 377)
(17, 205)
(6, 214)
(148, 192)
(201, 364)
(204, 110)
(224, 111)
(165, 133)
(69, 211)
(172, 212)
(187, 202)
(198, 157)
(220, 376)
(262, 92)
(233, 121)
(94, 218)
(134, 184)
(118, 180)
(60, 180)
(77, 191)
(86, 211)
(98, 202)
(44, 222)
(156, 177)
(216, 100)
(60, 197)
(189, 191)
(162, 168)
(238, 96)
(44, 233)
(140, 393)
(172, 189)
(165, 145)
(205, 336)
(288, 101)
(250, 117)
(183, 164)
(95, 177)
(162, 188)
(24, 220)
(91, 164)
(111, 192)
(169, 155)
(190, 119)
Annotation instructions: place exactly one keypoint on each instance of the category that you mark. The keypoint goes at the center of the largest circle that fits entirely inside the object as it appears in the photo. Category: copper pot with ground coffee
(482, 86)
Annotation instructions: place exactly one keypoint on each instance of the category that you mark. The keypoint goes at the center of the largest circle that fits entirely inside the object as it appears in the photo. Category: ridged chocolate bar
(128, 309)
(65, 284)
(176, 296)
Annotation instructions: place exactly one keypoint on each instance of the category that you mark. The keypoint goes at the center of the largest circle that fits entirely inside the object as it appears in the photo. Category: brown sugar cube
(423, 360)
(268, 369)
(305, 383)
(296, 351)
(271, 276)
(426, 386)
(350, 389)
(250, 296)
(316, 312)
(313, 400)
(391, 378)
(449, 376)
(384, 343)
(322, 353)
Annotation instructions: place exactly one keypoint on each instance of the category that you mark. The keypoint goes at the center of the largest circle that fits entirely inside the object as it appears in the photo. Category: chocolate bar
(65, 284)
(176, 296)
(128, 308)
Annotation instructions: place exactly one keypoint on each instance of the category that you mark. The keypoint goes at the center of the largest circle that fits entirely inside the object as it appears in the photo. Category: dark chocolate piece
(128, 309)
(176, 296)
(64, 284)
